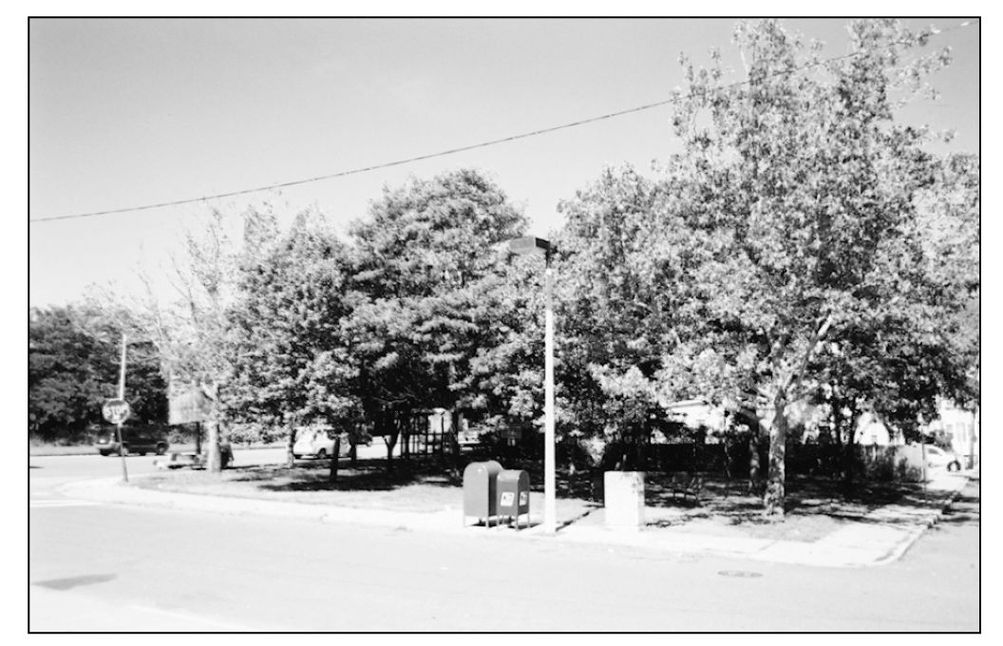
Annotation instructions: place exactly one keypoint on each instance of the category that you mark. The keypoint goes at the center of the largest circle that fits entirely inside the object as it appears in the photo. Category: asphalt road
(118, 568)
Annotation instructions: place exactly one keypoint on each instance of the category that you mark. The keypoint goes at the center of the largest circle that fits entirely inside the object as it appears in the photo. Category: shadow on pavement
(966, 508)
(75, 581)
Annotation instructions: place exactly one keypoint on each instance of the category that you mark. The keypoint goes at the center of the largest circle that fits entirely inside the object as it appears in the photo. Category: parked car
(135, 439)
(937, 458)
(318, 443)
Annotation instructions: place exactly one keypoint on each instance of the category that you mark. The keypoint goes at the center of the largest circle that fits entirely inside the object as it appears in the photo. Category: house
(871, 431)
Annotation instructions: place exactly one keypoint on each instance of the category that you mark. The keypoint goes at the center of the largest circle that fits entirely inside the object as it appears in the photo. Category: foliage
(73, 367)
(417, 322)
(791, 219)
(288, 366)
(189, 332)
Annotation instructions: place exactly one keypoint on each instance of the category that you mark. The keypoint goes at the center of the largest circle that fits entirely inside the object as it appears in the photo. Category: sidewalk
(879, 538)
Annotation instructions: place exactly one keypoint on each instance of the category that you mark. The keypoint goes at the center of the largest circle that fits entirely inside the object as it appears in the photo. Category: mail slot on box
(479, 487)
(513, 495)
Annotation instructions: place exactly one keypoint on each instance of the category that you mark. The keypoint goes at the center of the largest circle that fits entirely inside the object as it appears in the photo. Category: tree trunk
(754, 458)
(836, 455)
(849, 450)
(213, 463)
(290, 441)
(773, 499)
(333, 475)
(454, 419)
(849, 457)
(391, 432)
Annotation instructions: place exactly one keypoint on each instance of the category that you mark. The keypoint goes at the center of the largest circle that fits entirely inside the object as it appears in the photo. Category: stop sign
(116, 411)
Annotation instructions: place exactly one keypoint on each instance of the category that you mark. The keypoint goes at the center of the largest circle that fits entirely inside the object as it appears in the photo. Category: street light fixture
(529, 246)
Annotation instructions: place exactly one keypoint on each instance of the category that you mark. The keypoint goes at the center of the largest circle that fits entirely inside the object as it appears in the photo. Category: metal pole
(549, 479)
(121, 395)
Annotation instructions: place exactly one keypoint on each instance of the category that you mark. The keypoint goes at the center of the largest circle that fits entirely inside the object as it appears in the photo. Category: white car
(318, 443)
(937, 458)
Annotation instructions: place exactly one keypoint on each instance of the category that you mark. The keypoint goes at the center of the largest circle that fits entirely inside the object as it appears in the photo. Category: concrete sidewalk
(879, 538)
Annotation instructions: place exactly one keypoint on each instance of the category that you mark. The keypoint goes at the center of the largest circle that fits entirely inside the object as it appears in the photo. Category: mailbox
(479, 490)
(513, 495)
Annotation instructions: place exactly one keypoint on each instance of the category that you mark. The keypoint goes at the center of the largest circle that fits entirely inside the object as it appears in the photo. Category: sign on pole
(186, 404)
(116, 411)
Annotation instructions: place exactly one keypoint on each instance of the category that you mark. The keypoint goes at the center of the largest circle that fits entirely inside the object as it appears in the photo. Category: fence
(884, 463)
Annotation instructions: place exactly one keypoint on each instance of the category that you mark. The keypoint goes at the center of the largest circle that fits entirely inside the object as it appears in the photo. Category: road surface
(109, 568)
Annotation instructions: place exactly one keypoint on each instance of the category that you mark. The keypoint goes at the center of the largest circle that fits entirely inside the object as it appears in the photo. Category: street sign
(116, 411)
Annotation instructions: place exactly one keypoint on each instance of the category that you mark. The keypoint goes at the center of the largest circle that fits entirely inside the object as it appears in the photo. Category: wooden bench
(687, 485)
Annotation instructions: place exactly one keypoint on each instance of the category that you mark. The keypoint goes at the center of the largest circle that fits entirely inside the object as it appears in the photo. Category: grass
(815, 506)
(366, 485)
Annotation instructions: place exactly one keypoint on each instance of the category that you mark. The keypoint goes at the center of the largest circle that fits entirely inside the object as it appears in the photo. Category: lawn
(367, 485)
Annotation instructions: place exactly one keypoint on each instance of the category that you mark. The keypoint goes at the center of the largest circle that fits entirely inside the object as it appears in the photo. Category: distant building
(871, 431)
(695, 414)
(960, 425)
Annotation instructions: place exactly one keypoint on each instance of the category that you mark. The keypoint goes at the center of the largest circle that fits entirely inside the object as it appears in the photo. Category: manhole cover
(741, 574)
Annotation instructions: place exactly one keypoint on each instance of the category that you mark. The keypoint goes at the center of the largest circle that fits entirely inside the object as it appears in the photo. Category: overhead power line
(450, 151)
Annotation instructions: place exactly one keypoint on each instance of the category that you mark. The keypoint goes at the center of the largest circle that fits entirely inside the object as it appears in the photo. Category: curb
(933, 518)
(865, 552)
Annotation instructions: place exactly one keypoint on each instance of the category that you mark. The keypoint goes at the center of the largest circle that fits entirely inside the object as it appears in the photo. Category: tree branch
(798, 377)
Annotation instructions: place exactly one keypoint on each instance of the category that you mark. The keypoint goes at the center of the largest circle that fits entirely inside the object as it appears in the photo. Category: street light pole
(549, 466)
(527, 246)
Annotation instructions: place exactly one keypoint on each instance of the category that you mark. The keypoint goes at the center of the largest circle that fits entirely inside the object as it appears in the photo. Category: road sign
(116, 411)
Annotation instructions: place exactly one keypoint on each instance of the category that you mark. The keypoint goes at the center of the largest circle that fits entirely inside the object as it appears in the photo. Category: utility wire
(453, 151)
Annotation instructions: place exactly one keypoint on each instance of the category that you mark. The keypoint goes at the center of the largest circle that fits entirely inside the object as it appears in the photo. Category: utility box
(480, 490)
(513, 495)
(623, 498)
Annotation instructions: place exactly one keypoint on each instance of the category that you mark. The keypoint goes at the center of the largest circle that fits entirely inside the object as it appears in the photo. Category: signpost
(117, 411)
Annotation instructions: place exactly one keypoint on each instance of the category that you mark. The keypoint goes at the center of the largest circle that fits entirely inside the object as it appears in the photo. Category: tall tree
(189, 331)
(802, 182)
(615, 319)
(417, 256)
(289, 365)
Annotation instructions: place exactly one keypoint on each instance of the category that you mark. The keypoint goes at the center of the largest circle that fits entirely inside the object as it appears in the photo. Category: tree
(189, 332)
(615, 321)
(411, 329)
(803, 188)
(289, 365)
(73, 367)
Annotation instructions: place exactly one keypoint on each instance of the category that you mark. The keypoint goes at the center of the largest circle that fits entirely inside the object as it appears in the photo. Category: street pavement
(97, 563)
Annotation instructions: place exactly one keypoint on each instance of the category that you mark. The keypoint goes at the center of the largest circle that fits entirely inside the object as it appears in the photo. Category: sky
(129, 112)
